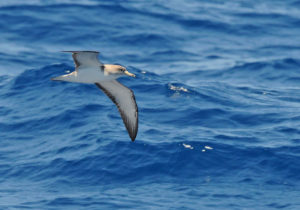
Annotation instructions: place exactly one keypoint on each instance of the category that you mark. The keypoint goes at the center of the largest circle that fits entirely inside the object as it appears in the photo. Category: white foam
(187, 146)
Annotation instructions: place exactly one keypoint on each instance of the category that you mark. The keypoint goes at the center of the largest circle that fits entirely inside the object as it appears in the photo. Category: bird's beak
(129, 74)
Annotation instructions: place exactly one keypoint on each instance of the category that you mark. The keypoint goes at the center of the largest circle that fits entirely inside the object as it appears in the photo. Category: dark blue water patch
(212, 57)
(295, 3)
(288, 130)
(279, 47)
(205, 25)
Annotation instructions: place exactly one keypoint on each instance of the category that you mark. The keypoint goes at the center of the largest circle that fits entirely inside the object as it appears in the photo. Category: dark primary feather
(113, 89)
(74, 56)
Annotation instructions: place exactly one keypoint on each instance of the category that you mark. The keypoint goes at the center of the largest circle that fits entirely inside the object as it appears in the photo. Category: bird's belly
(91, 77)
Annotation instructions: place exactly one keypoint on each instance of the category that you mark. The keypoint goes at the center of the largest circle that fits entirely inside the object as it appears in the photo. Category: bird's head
(117, 70)
(123, 71)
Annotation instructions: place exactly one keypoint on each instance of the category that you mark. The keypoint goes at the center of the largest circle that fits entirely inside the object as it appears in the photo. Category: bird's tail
(60, 78)
(65, 77)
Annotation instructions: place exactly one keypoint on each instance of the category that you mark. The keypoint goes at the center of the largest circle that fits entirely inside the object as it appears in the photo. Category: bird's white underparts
(89, 70)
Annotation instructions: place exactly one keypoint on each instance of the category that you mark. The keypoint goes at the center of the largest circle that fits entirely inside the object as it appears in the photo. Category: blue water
(218, 91)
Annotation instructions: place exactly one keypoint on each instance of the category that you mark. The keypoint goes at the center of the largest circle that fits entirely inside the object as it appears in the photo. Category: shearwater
(89, 69)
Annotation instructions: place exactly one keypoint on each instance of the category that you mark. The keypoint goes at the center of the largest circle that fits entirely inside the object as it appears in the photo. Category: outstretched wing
(124, 98)
(83, 59)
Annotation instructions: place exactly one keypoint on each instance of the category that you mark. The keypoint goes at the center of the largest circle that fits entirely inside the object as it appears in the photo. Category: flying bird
(89, 69)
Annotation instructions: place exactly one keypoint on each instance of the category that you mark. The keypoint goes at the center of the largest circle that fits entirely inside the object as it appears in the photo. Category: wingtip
(132, 137)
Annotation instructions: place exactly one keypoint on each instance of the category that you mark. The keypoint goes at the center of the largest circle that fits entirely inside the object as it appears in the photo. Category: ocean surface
(218, 91)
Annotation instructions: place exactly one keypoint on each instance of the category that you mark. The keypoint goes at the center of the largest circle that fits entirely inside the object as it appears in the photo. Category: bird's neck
(111, 70)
